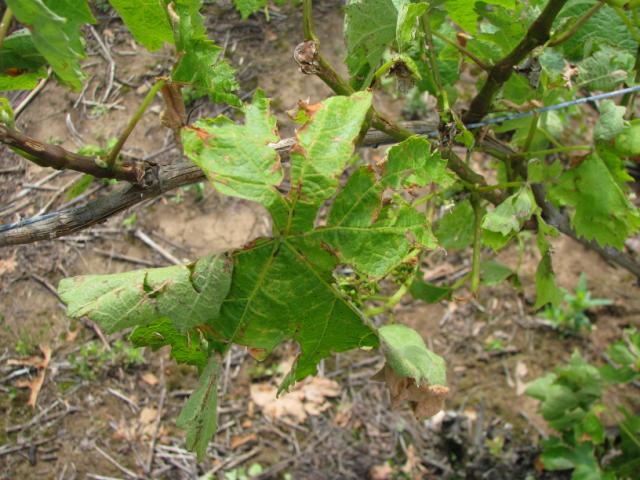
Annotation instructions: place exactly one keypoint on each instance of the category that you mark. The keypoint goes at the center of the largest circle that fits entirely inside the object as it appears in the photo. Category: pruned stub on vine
(306, 56)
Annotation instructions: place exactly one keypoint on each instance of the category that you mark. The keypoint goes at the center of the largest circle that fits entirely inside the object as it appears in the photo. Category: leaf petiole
(124, 136)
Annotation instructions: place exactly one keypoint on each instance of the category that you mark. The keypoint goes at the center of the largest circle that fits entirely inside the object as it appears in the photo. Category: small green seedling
(571, 315)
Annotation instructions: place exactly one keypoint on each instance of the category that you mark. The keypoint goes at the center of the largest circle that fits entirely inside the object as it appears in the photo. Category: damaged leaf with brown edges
(189, 295)
(413, 373)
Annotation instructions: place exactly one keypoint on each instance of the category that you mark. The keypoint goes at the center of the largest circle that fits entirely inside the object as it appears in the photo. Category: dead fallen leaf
(35, 385)
(413, 464)
(425, 400)
(308, 397)
(568, 73)
(149, 378)
(520, 373)
(72, 335)
(343, 415)
(148, 415)
(7, 265)
(240, 440)
(381, 472)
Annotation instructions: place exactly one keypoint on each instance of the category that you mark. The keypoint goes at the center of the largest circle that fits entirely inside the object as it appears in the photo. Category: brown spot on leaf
(202, 134)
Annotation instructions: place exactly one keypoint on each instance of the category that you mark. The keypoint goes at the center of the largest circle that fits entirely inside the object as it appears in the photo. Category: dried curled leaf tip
(413, 373)
(425, 400)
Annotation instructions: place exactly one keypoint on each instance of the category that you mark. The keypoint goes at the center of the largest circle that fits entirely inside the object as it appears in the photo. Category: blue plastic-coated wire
(557, 106)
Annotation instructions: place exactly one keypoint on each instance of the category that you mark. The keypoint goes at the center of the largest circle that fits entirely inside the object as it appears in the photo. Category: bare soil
(99, 418)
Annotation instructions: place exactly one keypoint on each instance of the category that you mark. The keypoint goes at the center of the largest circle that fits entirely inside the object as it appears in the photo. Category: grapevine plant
(341, 227)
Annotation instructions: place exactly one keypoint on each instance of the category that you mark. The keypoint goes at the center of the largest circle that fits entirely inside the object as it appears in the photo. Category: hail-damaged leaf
(611, 121)
(55, 33)
(186, 347)
(509, 216)
(201, 62)
(199, 416)
(463, 12)
(372, 237)
(603, 30)
(606, 69)
(413, 373)
(237, 159)
(187, 294)
(412, 163)
(627, 143)
(283, 289)
(455, 229)
(147, 20)
(602, 212)
(324, 146)
(370, 27)
(408, 16)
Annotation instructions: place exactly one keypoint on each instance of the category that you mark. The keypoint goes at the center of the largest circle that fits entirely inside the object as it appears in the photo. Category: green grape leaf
(147, 20)
(21, 64)
(412, 372)
(373, 238)
(602, 210)
(428, 292)
(628, 141)
(283, 289)
(19, 52)
(25, 81)
(199, 416)
(494, 240)
(611, 121)
(237, 159)
(603, 29)
(247, 7)
(546, 289)
(405, 352)
(55, 33)
(517, 89)
(511, 213)
(324, 146)
(7, 117)
(464, 13)
(187, 294)
(376, 238)
(606, 69)
(556, 455)
(408, 15)
(493, 273)
(455, 230)
(200, 60)
(185, 347)
(412, 163)
(538, 171)
(370, 27)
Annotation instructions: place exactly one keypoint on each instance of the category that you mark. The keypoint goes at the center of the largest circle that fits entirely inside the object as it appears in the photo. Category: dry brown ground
(104, 424)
